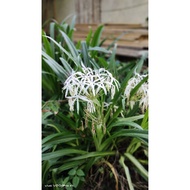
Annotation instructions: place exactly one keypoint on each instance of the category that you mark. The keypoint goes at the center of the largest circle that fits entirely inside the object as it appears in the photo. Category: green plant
(88, 120)
(75, 175)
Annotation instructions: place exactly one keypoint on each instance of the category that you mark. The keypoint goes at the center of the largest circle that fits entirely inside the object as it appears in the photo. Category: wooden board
(132, 39)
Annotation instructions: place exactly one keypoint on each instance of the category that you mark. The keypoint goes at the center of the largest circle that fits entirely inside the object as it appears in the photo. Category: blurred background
(97, 11)
(125, 21)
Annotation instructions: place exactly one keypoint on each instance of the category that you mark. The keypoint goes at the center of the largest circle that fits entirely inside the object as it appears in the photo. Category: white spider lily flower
(90, 107)
(71, 102)
(141, 95)
(86, 85)
(144, 98)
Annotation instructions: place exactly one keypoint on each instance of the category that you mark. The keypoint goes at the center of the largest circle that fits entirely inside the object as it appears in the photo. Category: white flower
(141, 95)
(86, 85)
(71, 103)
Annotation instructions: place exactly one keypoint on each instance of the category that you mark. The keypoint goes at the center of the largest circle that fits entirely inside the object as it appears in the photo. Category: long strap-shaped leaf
(47, 45)
(85, 54)
(96, 36)
(126, 121)
(58, 70)
(70, 45)
(127, 173)
(70, 165)
(60, 153)
(131, 133)
(74, 56)
(142, 170)
(93, 154)
(135, 133)
(59, 138)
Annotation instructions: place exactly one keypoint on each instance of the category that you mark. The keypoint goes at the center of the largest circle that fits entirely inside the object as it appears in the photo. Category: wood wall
(88, 11)
(124, 11)
(97, 11)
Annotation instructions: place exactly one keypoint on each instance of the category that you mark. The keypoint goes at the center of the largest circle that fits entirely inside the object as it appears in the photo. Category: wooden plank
(113, 25)
(130, 52)
(134, 44)
(123, 26)
(117, 31)
(125, 37)
(132, 39)
(127, 51)
(122, 43)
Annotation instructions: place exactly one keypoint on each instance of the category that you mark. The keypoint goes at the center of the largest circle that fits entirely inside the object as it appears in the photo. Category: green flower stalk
(90, 86)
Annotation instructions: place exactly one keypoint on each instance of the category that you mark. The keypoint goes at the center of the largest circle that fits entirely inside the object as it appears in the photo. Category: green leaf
(93, 154)
(144, 123)
(126, 121)
(45, 115)
(112, 62)
(88, 38)
(70, 34)
(90, 163)
(60, 153)
(49, 137)
(76, 59)
(45, 170)
(54, 177)
(61, 138)
(69, 165)
(58, 70)
(69, 186)
(46, 44)
(143, 171)
(96, 37)
(114, 116)
(82, 179)
(133, 111)
(70, 45)
(66, 180)
(72, 172)
(133, 146)
(85, 54)
(134, 133)
(94, 64)
(66, 65)
(52, 35)
(68, 121)
(80, 172)
(53, 106)
(131, 133)
(102, 62)
(72, 25)
(75, 181)
(66, 18)
(140, 63)
(127, 173)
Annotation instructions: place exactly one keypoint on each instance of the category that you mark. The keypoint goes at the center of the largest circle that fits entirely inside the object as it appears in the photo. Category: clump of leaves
(78, 141)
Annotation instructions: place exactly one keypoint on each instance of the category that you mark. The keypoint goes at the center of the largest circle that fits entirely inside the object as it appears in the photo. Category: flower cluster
(86, 85)
(142, 93)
